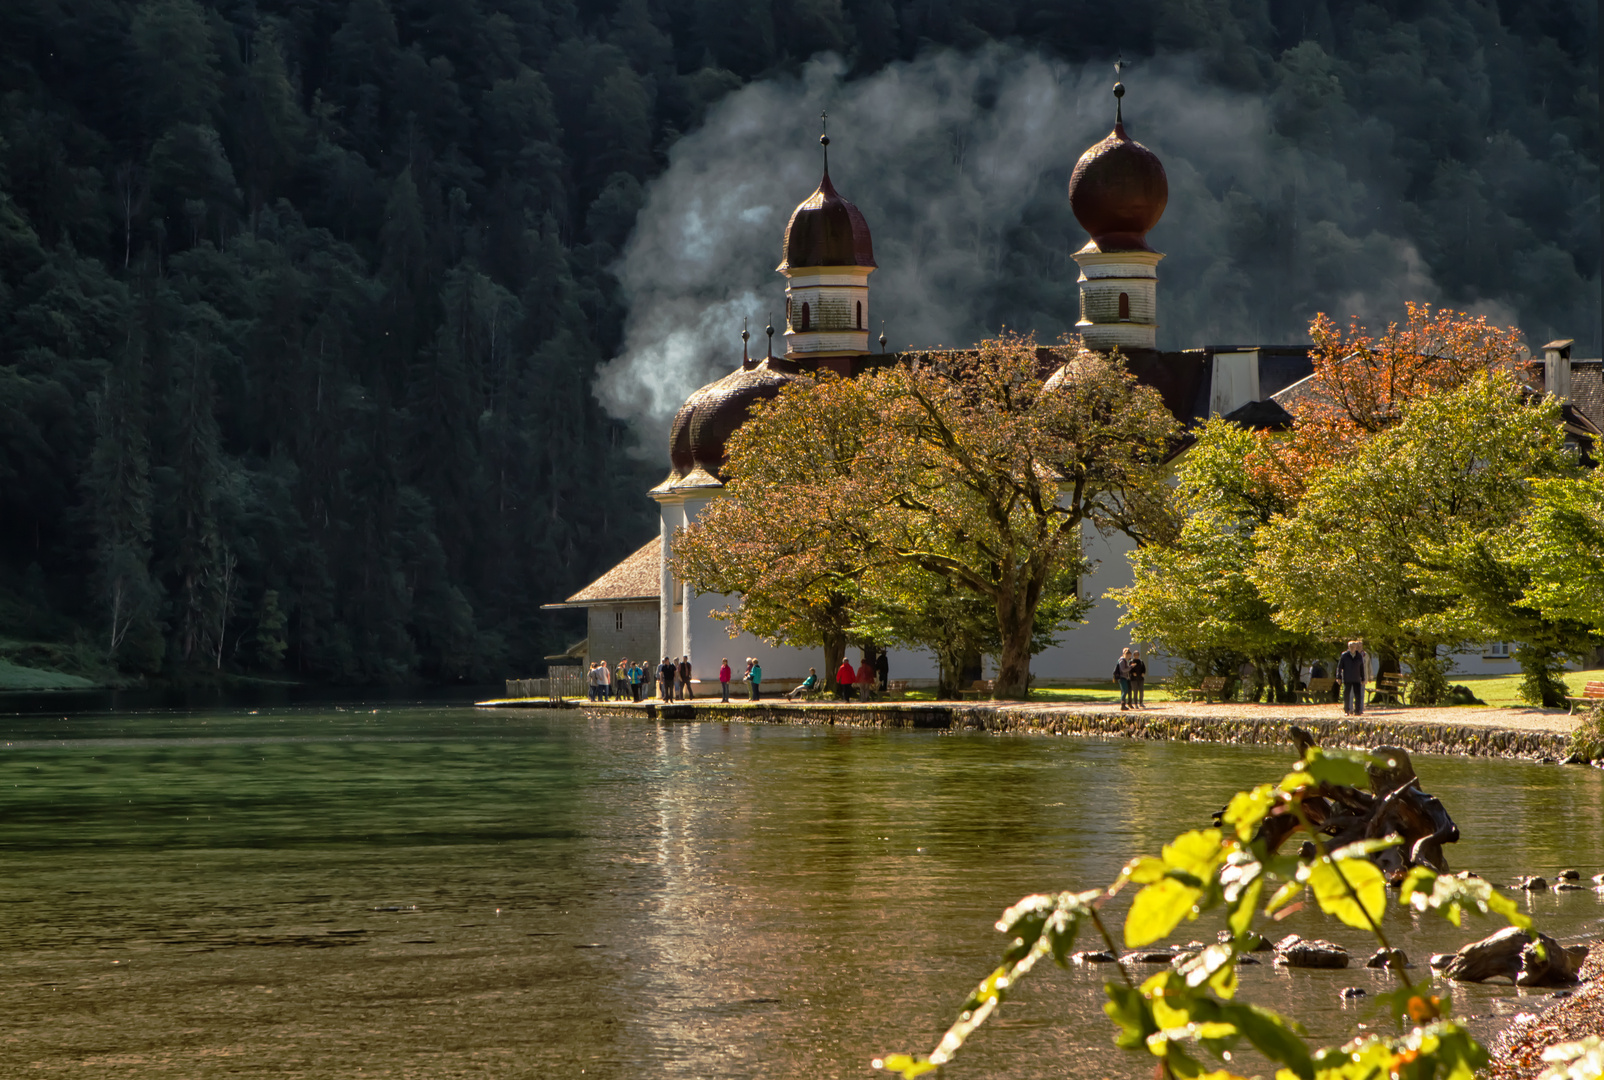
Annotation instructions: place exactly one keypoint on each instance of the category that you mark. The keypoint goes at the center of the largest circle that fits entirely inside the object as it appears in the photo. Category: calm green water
(434, 892)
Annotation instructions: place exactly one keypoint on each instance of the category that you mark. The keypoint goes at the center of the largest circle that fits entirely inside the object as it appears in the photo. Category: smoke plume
(960, 164)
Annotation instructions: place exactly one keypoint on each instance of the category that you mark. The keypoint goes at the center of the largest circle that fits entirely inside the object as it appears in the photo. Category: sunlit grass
(1503, 691)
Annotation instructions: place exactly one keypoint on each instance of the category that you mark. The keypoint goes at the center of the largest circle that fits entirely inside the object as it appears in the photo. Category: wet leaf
(1362, 906)
(1157, 910)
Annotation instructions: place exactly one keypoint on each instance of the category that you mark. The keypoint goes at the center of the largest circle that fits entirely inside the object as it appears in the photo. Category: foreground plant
(1189, 1011)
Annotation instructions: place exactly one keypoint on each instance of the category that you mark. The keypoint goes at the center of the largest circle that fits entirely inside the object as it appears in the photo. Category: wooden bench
(1212, 685)
(1591, 695)
(1390, 685)
(980, 688)
(1318, 691)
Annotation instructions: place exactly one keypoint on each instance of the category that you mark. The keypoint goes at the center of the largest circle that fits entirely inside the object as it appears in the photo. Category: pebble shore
(1517, 1053)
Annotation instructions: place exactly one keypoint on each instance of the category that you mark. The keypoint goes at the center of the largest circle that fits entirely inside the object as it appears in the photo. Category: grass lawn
(1502, 690)
(17, 677)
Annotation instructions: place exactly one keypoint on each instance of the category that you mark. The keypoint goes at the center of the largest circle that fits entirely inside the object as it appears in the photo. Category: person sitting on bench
(802, 688)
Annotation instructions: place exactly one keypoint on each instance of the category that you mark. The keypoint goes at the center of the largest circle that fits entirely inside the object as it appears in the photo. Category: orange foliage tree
(1362, 382)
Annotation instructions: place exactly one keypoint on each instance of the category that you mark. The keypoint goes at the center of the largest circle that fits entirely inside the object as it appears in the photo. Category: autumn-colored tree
(780, 542)
(1362, 382)
(971, 467)
(1365, 553)
(985, 474)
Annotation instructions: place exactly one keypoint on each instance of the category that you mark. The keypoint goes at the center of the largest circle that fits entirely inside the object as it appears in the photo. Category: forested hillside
(301, 300)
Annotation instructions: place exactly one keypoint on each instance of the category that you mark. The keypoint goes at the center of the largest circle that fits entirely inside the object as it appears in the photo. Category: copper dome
(1119, 192)
(712, 414)
(826, 230)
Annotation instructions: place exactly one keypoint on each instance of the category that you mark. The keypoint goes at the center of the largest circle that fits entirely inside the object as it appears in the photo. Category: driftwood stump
(1511, 954)
(1394, 805)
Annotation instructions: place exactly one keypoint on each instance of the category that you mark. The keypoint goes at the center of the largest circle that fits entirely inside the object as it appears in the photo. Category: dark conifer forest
(301, 300)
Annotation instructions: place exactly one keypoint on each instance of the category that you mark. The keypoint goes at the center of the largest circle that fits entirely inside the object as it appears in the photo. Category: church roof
(637, 578)
(826, 230)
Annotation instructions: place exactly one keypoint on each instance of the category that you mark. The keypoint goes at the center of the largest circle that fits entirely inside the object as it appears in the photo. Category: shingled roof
(637, 578)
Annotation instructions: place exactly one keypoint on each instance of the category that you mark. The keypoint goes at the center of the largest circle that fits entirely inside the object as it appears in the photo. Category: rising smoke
(960, 165)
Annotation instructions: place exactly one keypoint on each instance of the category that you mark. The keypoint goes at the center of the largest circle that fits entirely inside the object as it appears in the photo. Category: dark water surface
(433, 892)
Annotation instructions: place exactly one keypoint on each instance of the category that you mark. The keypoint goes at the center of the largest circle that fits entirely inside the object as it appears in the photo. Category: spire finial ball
(1119, 89)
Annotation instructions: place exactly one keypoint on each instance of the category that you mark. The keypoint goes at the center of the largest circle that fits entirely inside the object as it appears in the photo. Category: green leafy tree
(1559, 544)
(1360, 555)
(1194, 596)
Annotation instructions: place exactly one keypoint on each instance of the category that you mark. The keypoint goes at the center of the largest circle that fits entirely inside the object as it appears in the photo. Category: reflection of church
(1118, 193)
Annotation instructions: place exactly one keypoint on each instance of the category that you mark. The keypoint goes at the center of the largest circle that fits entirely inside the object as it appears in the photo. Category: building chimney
(1557, 368)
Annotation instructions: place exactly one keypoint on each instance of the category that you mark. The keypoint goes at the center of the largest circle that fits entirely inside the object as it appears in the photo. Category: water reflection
(434, 892)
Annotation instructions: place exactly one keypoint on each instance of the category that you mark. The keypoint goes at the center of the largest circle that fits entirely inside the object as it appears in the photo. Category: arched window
(1124, 305)
(807, 316)
(860, 314)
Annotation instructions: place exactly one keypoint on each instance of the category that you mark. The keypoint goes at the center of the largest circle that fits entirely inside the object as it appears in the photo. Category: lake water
(443, 892)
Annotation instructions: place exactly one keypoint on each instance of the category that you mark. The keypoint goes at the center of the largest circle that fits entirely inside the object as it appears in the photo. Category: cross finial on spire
(824, 137)
(1119, 90)
(770, 331)
(744, 336)
(882, 336)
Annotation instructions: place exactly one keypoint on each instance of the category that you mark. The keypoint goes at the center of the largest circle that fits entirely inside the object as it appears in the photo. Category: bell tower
(828, 257)
(1118, 192)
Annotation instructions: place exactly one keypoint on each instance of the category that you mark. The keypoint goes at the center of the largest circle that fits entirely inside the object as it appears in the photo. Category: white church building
(1118, 192)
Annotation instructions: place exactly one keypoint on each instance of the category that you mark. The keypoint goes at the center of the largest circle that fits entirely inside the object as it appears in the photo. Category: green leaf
(1283, 896)
(1361, 848)
(1157, 909)
(1247, 809)
(1145, 870)
(1131, 1012)
(1341, 767)
(1241, 918)
(1449, 894)
(1272, 1035)
(1365, 880)
(1197, 852)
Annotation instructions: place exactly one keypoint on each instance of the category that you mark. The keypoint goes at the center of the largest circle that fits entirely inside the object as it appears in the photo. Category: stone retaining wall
(1416, 736)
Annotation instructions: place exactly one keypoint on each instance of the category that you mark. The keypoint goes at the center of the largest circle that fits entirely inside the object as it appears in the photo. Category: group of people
(1131, 674)
(752, 677)
(632, 680)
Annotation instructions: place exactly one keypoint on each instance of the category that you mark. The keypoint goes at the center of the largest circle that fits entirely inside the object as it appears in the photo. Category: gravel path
(1521, 719)
(1518, 1052)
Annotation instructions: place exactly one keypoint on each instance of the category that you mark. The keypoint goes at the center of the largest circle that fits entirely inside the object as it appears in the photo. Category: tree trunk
(835, 647)
(1013, 673)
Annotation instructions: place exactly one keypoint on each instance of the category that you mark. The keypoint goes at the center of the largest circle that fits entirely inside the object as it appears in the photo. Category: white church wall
(1089, 650)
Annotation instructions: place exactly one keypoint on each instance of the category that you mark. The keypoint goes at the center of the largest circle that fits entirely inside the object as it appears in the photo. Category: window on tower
(1124, 305)
(806, 316)
(860, 314)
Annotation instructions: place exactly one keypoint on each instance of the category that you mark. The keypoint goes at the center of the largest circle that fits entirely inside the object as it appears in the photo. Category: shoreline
(1524, 734)
(1516, 1053)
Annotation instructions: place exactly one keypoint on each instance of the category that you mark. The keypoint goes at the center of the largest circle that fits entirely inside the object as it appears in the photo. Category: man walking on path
(1353, 669)
(685, 679)
(724, 678)
(844, 679)
(882, 668)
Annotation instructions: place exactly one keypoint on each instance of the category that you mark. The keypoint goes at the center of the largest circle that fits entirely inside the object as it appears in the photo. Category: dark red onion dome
(712, 414)
(826, 230)
(1119, 192)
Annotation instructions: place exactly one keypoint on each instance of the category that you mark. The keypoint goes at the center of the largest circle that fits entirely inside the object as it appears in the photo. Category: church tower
(828, 257)
(1118, 192)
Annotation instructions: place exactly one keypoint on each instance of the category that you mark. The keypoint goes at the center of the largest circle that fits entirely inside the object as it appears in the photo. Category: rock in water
(1349, 992)
(1089, 957)
(1383, 958)
(1293, 951)
(1532, 884)
(1511, 954)
(1570, 875)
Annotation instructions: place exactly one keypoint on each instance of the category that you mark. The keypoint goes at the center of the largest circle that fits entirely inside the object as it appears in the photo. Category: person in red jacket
(866, 677)
(844, 679)
(724, 677)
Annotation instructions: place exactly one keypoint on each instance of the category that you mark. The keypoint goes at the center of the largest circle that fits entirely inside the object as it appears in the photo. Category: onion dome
(714, 413)
(1119, 190)
(826, 230)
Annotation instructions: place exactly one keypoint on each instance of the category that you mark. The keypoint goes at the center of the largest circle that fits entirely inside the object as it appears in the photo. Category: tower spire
(824, 138)
(1119, 93)
(746, 361)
